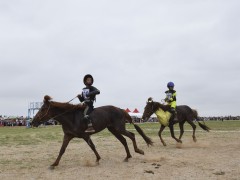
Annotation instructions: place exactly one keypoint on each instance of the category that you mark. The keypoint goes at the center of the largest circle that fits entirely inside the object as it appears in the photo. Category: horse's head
(149, 109)
(43, 114)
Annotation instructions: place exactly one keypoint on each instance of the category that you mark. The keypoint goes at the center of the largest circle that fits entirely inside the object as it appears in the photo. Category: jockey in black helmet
(88, 96)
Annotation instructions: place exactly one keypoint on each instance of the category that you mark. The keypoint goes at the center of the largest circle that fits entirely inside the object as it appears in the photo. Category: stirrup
(89, 125)
(90, 129)
(86, 117)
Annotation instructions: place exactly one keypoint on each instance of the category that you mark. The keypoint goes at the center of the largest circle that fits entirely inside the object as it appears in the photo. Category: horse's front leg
(66, 140)
(172, 133)
(160, 134)
(90, 143)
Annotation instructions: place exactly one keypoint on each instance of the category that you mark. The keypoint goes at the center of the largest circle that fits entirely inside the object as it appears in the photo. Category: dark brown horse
(73, 125)
(184, 113)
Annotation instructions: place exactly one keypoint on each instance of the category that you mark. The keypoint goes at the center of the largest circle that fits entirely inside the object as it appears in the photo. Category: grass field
(23, 136)
(26, 153)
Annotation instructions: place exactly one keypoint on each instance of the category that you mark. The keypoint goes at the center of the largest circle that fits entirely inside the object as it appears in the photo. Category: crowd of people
(25, 121)
(20, 121)
(220, 118)
(207, 118)
(13, 121)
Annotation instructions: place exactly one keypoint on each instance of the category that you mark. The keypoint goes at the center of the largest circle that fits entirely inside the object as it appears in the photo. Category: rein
(72, 99)
(65, 111)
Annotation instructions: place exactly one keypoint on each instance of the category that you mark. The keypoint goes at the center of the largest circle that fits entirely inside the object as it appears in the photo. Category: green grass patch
(25, 136)
(14, 136)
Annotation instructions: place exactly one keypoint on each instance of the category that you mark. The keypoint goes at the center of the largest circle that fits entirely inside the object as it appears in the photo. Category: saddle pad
(163, 116)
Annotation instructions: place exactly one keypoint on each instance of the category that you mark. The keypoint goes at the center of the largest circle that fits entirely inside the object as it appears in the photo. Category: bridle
(151, 111)
(41, 117)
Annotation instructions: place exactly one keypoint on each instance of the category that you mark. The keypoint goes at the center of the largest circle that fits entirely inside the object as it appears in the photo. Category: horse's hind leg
(65, 143)
(194, 129)
(92, 146)
(122, 140)
(172, 133)
(181, 129)
(160, 135)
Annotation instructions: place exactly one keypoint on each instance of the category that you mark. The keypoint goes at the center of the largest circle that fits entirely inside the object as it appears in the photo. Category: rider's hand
(79, 95)
(82, 103)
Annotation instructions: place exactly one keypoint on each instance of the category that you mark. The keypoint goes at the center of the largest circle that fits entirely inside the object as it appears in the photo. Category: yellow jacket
(171, 98)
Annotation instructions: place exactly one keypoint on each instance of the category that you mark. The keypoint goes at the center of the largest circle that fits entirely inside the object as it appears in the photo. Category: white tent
(138, 115)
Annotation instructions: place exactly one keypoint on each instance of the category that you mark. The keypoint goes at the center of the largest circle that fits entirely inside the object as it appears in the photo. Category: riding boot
(175, 119)
(171, 120)
(89, 122)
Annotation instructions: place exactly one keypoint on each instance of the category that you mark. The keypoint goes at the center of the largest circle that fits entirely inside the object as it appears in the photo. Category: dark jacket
(89, 94)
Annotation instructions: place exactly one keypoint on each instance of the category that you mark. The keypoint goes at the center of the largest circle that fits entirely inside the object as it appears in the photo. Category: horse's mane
(63, 105)
(159, 105)
(162, 106)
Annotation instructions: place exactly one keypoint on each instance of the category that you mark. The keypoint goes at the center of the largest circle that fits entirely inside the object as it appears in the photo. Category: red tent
(135, 111)
(127, 110)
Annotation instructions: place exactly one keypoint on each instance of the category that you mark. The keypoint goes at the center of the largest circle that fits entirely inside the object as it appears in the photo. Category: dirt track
(214, 156)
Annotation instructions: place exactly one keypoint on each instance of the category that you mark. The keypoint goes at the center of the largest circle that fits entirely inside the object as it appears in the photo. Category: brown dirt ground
(214, 156)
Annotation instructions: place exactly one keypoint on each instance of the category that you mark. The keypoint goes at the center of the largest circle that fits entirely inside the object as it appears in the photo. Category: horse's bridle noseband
(152, 111)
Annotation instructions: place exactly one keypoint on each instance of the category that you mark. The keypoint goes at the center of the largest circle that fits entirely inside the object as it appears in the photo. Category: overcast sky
(131, 47)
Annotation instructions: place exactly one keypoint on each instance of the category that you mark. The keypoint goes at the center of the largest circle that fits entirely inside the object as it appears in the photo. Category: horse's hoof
(126, 159)
(164, 144)
(179, 141)
(140, 151)
(51, 167)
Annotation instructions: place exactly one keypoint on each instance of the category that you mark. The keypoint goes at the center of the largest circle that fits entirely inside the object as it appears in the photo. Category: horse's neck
(70, 118)
(160, 106)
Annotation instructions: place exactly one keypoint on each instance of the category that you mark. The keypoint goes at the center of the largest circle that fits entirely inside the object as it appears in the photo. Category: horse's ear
(150, 100)
(46, 99)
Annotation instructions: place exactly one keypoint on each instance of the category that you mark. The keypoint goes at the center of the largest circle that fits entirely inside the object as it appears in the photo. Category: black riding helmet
(87, 76)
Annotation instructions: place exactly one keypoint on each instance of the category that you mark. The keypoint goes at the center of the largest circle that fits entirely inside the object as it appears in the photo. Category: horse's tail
(139, 130)
(203, 126)
(127, 116)
(195, 113)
